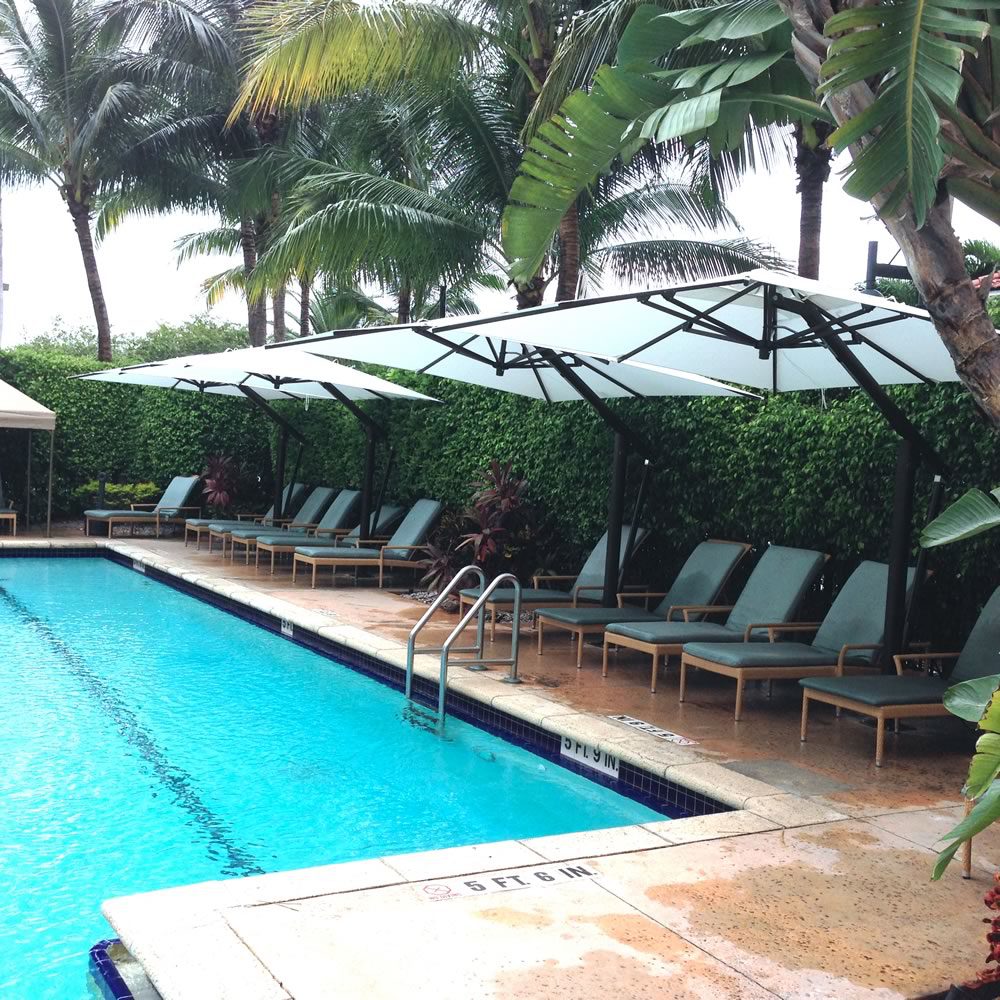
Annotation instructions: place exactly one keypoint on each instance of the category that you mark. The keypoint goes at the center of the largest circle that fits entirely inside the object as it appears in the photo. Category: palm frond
(304, 51)
(224, 240)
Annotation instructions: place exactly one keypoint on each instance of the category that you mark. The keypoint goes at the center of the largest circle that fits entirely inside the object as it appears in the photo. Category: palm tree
(306, 50)
(74, 113)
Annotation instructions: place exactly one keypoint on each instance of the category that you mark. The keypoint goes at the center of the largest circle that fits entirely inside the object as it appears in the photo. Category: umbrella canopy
(765, 329)
(264, 376)
(19, 411)
(290, 374)
(505, 357)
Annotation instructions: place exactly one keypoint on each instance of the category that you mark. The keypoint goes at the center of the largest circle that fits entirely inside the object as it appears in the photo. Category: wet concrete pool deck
(816, 885)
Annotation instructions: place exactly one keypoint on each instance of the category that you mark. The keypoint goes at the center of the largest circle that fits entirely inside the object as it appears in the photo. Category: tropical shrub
(117, 496)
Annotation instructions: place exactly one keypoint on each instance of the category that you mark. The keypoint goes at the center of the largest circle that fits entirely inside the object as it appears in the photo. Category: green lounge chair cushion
(205, 522)
(415, 528)
(505, 595)
(910, 689)
(176, 495)
(980, 656)
(104, 514)
(701, 577)
(768, 654)
(309, 513)
(294, 539)
(675, 633)
(775, 588)
(341, 511)
(598, 616)
(336, 552)
(592, 575)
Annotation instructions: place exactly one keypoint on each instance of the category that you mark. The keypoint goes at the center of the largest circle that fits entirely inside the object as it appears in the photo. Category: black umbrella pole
(913, 605)
(616, 518)
(279, 474)
(899, 551)
(367, 484)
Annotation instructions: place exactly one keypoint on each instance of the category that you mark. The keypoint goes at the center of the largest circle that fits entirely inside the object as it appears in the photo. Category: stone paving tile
(843, 910)
(594, 843)
(791, 810)
(714, 827)
(462, 860)
(572, 940)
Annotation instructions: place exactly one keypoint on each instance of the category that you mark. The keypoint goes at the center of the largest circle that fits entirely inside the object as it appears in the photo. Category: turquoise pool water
(150, 740)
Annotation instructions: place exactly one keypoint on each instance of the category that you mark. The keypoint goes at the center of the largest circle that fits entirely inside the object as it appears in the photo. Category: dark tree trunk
(405, 303)
(278, 322)
(256, 308)
(305, 294)
(812, 165)
(933, 252)
(569, 255)
(531, 294)
(80, 213)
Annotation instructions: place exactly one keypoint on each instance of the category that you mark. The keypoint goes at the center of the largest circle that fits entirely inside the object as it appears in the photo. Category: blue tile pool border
(667, 797)
(105, 973)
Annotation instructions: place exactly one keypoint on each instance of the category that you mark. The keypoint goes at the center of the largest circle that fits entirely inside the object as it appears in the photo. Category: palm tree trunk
(278, 323)
(256, 309)
(812, 165)
(305, 294)
(405, 303)
(80, 213)
(933, 252)
(569, 256)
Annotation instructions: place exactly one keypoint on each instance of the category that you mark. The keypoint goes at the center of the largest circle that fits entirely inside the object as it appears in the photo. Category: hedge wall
(799, 469)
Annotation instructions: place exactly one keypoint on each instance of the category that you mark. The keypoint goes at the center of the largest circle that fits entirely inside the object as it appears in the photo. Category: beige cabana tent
(21, 412)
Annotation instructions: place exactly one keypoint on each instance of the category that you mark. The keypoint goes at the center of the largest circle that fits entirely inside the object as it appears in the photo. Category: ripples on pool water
(150, 740)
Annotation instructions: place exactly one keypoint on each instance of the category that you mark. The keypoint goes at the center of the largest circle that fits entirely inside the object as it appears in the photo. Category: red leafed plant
(220, 477)
(991, 974)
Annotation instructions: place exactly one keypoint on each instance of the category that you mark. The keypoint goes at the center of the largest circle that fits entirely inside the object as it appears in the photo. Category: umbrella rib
(536, 371)
(460, 349)
(621, 385)
(927, 380)
(706, 315)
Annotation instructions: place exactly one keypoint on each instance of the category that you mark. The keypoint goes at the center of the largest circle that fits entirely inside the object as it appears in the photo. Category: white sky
(144, 287)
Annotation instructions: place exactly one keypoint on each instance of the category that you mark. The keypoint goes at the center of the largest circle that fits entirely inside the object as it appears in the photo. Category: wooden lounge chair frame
(178, 516)
(581, 631)
(290, 547)
(880, 713)
(789, 672)
(382, 562)
(668, 649)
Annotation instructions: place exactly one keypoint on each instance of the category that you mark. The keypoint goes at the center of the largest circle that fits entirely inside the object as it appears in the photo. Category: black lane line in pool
(176, 779)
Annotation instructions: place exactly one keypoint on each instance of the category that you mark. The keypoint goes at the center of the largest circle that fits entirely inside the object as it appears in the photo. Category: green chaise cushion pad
(505, 595)
(204, 522)
(878, 691)
(598, 616)
(675, 633)
(98, 514)
(293, 538)
(335, 552)
(768, 654)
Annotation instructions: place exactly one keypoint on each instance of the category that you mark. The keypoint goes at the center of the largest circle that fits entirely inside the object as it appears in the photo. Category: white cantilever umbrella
(497, 353)
(765, 329)
(264, 376)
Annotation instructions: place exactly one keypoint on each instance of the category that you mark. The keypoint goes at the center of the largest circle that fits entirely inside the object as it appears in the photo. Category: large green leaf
(985, 812)
(662, 88)
(969, 699)
(969, 515)
(984, 767)
(913, 49)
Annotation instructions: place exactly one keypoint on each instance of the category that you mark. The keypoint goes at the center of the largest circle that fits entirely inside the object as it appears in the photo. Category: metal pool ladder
(478, 610)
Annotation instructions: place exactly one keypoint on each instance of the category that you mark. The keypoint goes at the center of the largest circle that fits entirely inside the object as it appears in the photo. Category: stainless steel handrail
(478, 608)
(429, 613)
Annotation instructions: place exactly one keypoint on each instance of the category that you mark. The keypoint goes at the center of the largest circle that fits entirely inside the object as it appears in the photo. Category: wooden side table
(11, 516)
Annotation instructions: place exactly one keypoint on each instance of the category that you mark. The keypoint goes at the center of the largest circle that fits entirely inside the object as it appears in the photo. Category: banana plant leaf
(969, 515)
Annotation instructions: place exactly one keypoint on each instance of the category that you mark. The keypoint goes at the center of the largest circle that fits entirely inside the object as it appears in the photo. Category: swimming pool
(150, 740)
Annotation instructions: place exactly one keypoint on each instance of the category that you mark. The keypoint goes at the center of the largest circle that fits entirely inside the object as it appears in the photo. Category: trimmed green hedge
(797, 469)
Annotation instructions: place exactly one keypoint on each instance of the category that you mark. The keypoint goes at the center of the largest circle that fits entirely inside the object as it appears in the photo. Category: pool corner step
(117, 974)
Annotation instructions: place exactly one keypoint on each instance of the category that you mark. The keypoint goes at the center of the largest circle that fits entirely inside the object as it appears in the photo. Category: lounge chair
(907, 696)
(199, 526)
(330, 531)
(699, 582)
(846, 640)
(172, 508)
(401, 549)
(307, 517)
(222, 529)
(770, 597)
(589, 581)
